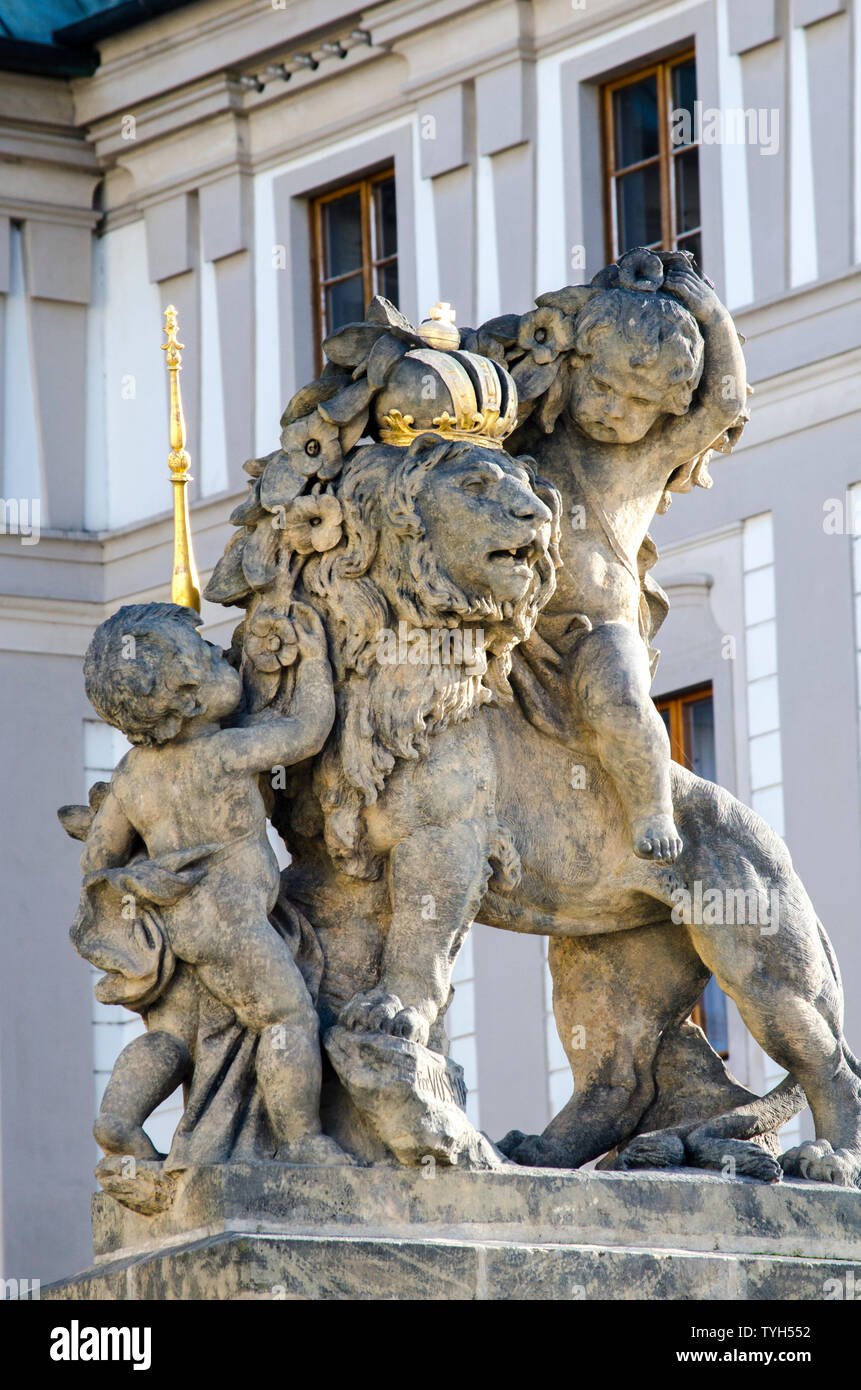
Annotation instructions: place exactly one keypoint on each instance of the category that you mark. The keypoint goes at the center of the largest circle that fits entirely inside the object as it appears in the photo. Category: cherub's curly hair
(384, 571)
(653, 326)
(126, 665)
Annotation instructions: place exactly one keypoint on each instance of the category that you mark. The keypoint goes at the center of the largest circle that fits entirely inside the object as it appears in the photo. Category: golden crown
(482, 398)
(479, 427)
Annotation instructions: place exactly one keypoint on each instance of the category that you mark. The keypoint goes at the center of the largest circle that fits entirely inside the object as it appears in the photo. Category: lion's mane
(384, 572)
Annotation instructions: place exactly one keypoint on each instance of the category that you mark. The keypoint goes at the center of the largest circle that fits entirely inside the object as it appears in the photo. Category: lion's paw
(655, 1150)
(372, 1012)
(512, 1141)
(409, 1024)
(533, 1150)
(734, 1158)
(818, 1161)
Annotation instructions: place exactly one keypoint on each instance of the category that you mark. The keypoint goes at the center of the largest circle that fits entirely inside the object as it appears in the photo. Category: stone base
(275, 1231)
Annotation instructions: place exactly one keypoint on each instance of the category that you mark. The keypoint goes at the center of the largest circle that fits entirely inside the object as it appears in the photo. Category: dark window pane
(691, 243)
(342, 235)
(386, 240)
(345, 303)
(635, 120)
(713, 1003)
(687, 190)
(665, 715)
(638, 203)
(699, 734)
(387, 281)
(684, 80)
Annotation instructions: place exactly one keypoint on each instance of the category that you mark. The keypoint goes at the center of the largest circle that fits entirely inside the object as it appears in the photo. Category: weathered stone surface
(273, 1231)
(324, 1268)
(412, 1098)
(140, 1184)
(674, 1210)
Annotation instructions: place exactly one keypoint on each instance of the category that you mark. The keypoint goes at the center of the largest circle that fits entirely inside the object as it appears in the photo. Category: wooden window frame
(371, 264)
(662, 70)
(675, 705)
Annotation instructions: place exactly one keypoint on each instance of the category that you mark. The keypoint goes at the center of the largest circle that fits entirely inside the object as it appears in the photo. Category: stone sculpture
(180, 881)
(464, 515)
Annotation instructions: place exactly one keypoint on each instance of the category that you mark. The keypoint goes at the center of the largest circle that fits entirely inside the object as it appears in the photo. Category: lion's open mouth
(520, 555)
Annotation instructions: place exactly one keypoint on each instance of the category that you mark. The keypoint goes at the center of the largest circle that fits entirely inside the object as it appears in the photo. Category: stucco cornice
(191, 44)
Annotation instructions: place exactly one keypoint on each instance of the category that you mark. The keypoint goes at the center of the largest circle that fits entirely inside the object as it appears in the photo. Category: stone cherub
(188, 792)
(638, 358)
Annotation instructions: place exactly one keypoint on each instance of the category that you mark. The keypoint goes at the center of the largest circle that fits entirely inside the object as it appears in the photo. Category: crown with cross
(440, 389)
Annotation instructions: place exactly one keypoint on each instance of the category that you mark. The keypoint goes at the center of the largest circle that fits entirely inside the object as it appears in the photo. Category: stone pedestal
(274, 1231)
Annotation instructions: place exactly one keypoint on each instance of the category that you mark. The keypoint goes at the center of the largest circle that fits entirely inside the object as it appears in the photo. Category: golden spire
(184, 583)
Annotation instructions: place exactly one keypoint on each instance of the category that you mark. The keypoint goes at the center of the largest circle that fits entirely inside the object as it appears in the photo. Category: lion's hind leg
(768, 951)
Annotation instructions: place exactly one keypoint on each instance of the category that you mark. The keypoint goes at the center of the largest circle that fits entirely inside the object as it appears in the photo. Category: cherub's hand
(692, 291)
(309, 630)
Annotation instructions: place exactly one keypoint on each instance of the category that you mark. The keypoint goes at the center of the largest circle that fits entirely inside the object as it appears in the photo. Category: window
(354, 251)
(651, 159)
(689, 718)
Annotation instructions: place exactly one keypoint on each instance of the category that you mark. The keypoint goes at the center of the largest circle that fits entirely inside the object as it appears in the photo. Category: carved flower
(270, 642)
(544, 334)
(313, 523)
(313, 446)
(640, 270)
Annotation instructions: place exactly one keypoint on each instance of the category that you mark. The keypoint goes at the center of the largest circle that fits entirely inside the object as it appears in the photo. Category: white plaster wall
(763, 743)
(460, 1025)
(763, 701)
(21, 452)
(125, 355)
(735, 208)
(559, 1084)
(211, 468)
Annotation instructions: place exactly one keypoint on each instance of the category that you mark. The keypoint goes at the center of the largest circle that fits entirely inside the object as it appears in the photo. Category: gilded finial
(184, 584)
(438, 329)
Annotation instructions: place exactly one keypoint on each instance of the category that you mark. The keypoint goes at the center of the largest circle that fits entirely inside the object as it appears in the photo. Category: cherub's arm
(110, 837)
(285, 739)
(722, 391)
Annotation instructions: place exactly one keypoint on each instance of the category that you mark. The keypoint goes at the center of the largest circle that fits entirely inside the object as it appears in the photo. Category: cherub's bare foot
(317, 1149)
(117, 1136)
(656, 837)
(819, 1162)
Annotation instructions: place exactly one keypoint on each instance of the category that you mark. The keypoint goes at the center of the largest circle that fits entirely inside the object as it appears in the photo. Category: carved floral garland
(292, 511)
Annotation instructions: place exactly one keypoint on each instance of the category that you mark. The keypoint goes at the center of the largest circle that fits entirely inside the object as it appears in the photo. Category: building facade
(265, 166)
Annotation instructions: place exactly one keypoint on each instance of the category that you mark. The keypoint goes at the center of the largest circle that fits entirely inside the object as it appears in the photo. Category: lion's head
(448, 556)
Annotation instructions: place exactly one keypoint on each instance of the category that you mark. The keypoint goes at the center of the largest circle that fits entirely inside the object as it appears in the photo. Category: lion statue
(430, 556)
(449, 558)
